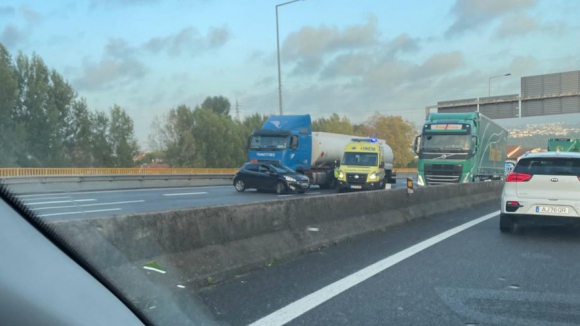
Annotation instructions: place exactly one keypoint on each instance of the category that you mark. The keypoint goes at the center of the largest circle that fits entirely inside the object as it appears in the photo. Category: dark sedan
(270, 176)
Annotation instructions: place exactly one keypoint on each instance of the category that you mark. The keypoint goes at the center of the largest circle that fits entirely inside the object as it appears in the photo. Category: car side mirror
(294, 142)
(474, 144)
(382, 165)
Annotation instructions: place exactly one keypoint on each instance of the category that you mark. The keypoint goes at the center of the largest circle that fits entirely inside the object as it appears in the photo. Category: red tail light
(518, 177)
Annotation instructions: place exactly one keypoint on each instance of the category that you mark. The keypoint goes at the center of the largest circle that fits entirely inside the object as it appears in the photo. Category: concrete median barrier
(204, 245)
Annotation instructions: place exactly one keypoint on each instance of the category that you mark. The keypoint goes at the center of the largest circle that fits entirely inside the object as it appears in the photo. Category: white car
(544, 188)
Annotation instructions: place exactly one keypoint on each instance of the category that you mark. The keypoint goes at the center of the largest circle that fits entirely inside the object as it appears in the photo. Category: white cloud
(189, 41)
(118, 66)
(473, 15)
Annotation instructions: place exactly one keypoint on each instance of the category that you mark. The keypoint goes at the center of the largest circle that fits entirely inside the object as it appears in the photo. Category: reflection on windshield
(362, 159)
(270, 142)
(446, 143)
(282, 169)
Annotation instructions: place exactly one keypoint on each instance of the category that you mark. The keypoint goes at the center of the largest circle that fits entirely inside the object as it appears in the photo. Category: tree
(172, 134)
(79, 135)
(334, 124)
(398, 134)
(44, 124)
(219, 140)
(218, 104)
(9, 141)
(254, 122)
(122, 137)
(101, 149)
(59, 115)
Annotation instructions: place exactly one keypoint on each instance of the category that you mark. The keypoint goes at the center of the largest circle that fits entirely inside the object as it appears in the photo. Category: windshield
(125, 126)
(282, 169)
(549, 166)
(269, 142)
(445, 143)
(361, 159)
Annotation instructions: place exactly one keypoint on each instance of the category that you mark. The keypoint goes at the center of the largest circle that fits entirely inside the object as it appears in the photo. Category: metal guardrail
(18, 172)
(37, 172)
(110, 178)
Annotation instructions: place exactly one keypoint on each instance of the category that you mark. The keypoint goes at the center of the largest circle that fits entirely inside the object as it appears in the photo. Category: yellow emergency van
(367, 163)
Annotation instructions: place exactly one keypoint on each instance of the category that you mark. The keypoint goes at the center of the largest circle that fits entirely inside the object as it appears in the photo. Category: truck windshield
(446, 143)
(269, 142)
(362, 159)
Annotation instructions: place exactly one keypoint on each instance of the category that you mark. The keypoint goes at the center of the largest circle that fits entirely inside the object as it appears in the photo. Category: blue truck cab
(285, 139)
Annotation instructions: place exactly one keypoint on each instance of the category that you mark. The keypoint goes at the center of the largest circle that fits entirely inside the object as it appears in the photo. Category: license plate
(355, 187)
(552, 209)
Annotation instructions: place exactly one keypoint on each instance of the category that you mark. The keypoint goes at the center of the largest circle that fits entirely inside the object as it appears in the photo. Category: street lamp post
(278, 48)
(489, 82)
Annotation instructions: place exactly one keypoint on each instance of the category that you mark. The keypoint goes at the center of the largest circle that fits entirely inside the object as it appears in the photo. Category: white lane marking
(307, 303)
(60, 202)
(186, 194)
(51, 198)
(286, 195)
(83, 212)
(154, 269)
(90, 205)
(124, 191)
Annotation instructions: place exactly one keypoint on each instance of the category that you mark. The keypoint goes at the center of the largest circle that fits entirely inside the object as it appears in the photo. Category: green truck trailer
(460, 148)
(563, 145)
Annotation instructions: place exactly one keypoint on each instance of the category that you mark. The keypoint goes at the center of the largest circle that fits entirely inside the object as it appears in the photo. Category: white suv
(544, 188)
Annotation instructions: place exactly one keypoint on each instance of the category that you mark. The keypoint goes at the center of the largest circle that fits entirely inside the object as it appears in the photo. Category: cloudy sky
(349, 57)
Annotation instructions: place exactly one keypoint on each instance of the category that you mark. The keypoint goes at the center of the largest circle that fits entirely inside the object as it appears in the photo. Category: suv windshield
(549, 166)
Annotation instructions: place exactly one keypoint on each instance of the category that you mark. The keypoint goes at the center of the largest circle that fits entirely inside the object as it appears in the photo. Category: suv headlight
(372, 176)
(290, 179)
(340, 175)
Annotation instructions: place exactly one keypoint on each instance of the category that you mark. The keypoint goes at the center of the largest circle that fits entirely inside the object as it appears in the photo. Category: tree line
(44, 123)
(206, 136)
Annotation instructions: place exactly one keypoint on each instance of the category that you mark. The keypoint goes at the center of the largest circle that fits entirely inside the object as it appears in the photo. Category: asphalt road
(60, 206)
(420, 273)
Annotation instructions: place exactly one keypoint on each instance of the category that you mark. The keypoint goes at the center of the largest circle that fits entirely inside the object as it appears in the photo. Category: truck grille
(352, 179)
(436, 174)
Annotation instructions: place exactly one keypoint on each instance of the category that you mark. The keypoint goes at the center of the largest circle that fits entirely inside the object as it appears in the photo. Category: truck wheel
(280, 188)
(506, 224)
(240, 186)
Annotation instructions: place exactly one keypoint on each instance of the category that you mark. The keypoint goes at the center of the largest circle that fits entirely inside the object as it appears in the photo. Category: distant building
(514, 152)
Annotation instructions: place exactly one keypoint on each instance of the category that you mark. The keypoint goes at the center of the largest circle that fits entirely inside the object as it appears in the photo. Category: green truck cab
(460, 148)
(563, 145)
